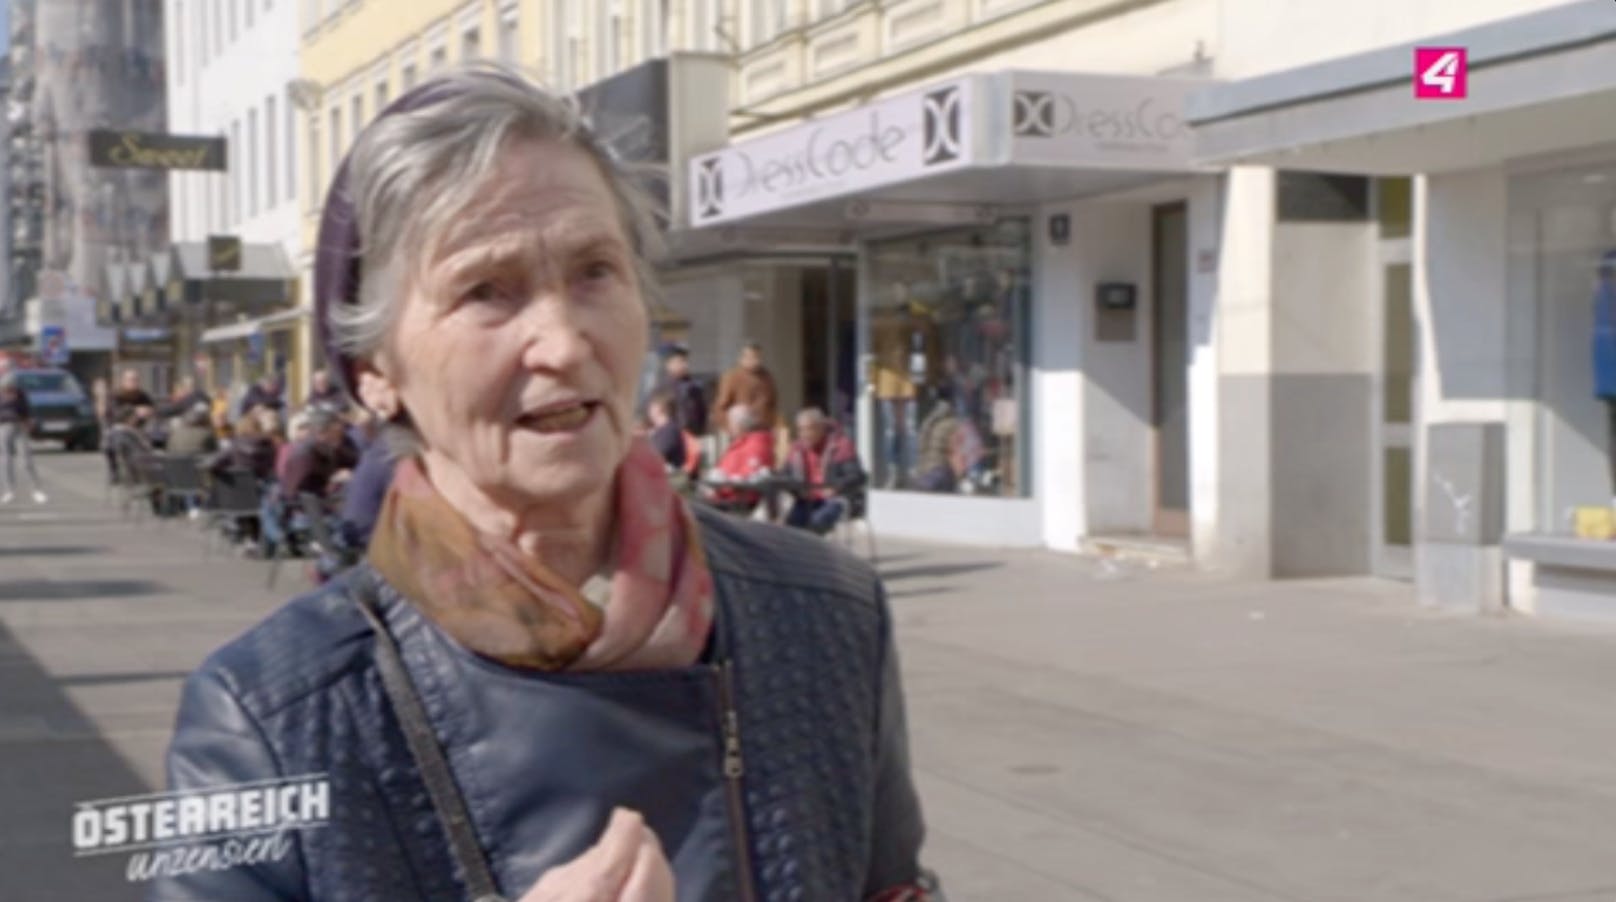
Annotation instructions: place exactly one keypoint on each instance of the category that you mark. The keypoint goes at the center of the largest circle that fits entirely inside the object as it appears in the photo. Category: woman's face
(517, 352)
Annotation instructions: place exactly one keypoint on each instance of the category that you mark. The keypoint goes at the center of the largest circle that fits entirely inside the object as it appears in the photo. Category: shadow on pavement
(897, 573)
(51, 550)
(51, 756)
(77, 590)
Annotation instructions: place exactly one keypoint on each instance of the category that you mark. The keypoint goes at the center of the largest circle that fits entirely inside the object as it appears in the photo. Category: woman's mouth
(560, 418)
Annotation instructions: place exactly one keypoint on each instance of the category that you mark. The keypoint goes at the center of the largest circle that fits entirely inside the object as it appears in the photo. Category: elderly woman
(549, 679)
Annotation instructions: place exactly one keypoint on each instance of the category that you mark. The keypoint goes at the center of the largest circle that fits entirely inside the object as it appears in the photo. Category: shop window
(1318, 197)
(1562, 275)
(947, 339)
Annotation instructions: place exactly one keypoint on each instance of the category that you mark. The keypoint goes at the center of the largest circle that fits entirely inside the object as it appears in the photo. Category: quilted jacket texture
(830, 812)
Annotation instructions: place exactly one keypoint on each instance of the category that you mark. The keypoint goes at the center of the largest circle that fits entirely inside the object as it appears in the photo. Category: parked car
(62, 410)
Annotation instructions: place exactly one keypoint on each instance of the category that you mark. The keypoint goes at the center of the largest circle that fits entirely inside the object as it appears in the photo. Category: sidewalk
(1080, 733)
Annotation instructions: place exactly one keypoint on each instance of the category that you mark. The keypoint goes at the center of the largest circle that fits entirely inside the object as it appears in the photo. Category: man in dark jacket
(129, 396)
(324, 393)
(689, 401)
(320, 461)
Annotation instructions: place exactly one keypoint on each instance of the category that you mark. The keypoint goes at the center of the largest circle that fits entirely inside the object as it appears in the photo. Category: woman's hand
(626, 865)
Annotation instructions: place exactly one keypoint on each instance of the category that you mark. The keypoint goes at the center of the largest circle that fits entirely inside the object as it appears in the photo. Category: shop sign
(124, 149)
(889, 141)
(1102, 122)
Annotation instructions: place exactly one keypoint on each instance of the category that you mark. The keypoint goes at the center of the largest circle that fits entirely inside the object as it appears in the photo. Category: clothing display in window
(1604, 351)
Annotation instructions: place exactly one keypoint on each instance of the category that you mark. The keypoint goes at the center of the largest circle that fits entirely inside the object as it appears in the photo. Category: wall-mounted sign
(123, 149)
(53, 350)
(1100, 121)
(1060, 229)
(889, 141)
(224, 253)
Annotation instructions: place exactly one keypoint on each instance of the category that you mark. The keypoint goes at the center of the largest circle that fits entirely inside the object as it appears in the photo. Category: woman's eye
(482, 291)
(599, 269)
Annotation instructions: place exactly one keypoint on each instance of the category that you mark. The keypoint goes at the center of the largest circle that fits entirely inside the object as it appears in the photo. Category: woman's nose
(554, 338)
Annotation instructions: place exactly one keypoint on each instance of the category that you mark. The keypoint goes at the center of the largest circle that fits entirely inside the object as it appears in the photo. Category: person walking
(683, 390)
(16, 422)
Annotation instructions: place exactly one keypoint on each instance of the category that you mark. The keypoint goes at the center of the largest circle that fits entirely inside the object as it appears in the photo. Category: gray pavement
(1082, 730)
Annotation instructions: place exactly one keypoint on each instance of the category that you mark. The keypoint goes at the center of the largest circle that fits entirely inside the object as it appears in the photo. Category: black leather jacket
(818, 804)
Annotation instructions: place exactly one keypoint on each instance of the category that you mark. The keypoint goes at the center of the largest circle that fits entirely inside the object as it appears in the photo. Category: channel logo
(1441, 73)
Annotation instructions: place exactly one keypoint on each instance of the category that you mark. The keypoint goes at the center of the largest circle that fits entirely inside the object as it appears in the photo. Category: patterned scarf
(506, 605)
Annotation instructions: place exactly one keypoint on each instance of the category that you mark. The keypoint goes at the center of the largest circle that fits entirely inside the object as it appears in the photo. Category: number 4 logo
(1441, 73)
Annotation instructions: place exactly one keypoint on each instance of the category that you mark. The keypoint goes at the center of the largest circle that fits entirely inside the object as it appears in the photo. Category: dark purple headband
(338, 248)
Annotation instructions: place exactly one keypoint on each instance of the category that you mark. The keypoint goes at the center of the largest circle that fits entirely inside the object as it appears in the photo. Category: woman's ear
(377, 392)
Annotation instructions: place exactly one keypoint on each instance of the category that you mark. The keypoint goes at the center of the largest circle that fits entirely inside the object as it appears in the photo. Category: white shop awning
(250, 327)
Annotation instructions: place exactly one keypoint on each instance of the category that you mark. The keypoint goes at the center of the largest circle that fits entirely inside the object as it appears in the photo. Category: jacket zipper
(734, 769)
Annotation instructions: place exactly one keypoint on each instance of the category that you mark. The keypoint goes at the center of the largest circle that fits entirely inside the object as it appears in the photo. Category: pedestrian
(749, 383)
(16, 425)
(613, 695)
(689, 400)
(266, 393)
(186, 395)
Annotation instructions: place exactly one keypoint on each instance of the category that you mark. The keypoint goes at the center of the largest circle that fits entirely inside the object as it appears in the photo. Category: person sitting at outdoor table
(666, 436)
(129, 395)
(750, 456)
(193, 435)
(824, 461)
(318, 462)
(185, 396)
(551, 679)
(249, 450)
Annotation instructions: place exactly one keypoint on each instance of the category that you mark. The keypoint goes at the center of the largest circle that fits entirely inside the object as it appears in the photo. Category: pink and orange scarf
(506, 605)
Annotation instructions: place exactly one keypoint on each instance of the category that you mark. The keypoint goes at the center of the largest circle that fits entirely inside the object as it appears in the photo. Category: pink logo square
(1441, 73)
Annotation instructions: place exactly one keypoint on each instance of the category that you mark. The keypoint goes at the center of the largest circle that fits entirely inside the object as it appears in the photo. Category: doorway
(1170, 370)
(1395, 402)
(830, 340)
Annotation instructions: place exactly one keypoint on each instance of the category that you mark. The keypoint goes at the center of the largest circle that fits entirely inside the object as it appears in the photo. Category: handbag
(447, 799)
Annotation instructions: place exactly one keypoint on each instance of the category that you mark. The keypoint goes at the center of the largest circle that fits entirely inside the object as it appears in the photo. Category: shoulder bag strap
(424, 748)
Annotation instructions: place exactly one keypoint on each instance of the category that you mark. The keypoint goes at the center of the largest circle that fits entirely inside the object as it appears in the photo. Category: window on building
(179, 41)
(439, 60)
(832, 7)
(291, 148)
(335, 140)
(356, 121)
(948, 336)
(237, 174)
(407, 77)
(654, 28)
(611, 31)
(381, 96)
(471, 45)
(510, 35)
(251, 168)
(769, 18)
(271, 195)
(315, 186)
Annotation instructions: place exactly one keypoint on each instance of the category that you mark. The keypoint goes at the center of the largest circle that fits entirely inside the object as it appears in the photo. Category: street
(1082, 730)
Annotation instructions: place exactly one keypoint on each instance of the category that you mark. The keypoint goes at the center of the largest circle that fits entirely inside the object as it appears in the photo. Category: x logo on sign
(1034, 115)
(710, 187)
(942, 131)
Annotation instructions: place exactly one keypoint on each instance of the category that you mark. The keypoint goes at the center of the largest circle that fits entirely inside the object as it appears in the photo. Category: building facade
(233, 65)
(1482, 329)
(78, 67)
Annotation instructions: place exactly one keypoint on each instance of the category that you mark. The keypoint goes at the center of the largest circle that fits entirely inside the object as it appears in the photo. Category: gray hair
(411, 174)
(812, 416)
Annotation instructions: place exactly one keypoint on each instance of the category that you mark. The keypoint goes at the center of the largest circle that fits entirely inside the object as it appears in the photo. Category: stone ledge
(1562, 551)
